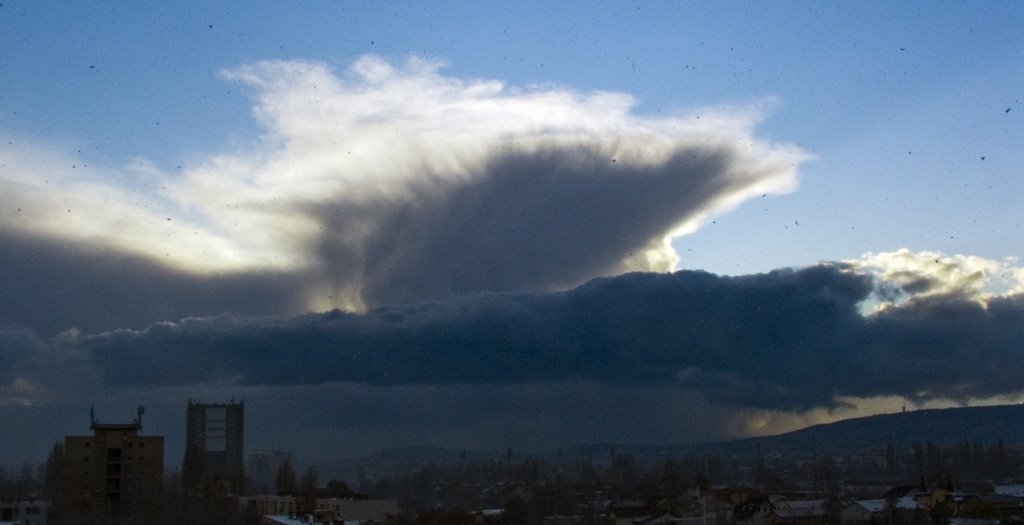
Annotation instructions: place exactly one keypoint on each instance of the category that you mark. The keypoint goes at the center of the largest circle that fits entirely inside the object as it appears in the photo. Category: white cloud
(926, 274)
(343, 155)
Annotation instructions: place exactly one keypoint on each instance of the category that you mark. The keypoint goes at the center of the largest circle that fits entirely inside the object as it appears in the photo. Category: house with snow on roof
(879, 511)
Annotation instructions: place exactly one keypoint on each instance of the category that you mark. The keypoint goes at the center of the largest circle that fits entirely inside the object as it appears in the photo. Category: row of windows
(131, 444)
(135, 474)
(14, 511)
(85, 459)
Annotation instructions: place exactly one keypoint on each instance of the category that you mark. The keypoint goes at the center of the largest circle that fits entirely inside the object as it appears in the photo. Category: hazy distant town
(116, 473)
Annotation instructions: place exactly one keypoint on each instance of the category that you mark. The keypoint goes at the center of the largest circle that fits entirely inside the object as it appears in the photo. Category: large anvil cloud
(377, 185)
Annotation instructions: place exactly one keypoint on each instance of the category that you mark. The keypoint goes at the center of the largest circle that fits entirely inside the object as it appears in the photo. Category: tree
(515, 510)
(978, 509)
(237, 480)
(941, 513)
(309, 484)
(624, 473)
(286, 477)
(338, 489)
(26, 482)
(673, 486)
(191, 469)
(52, 478)
(997, 460)
(890, 462)
(760, 468)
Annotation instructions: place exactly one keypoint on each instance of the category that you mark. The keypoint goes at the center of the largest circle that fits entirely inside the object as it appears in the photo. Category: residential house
(903, 510)
(798, 512)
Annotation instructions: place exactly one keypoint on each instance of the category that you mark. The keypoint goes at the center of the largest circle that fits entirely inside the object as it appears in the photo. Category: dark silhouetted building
(214, 445)
(114, 475)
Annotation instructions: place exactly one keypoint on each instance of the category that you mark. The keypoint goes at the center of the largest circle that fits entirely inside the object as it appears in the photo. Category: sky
(525, 225)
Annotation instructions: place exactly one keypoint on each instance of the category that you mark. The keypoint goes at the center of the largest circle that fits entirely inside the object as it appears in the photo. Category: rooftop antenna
(904, 404)
(138, 419)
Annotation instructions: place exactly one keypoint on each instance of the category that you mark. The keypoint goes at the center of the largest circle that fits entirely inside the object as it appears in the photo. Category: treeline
(964, 460)
(530, 487)
(533, 486)
(21, 484)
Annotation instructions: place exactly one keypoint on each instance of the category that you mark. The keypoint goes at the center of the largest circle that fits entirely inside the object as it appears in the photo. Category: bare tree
(286, 477)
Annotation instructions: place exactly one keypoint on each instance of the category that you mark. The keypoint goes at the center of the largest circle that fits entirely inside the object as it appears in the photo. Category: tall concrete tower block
(214, 442)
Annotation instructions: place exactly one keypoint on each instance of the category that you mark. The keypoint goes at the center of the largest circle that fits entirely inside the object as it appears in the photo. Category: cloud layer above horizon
(382, 184)
(792, 339)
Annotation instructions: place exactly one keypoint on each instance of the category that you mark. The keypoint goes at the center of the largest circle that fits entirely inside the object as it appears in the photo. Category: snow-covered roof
(1010, 490)
(783, 503)
(871, 505)
(285, 520)
(293, 520)
(800, 508)
(880, 505)
(973, 521)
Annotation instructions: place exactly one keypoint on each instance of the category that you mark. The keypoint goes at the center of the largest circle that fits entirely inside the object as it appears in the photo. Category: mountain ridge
(900, 430)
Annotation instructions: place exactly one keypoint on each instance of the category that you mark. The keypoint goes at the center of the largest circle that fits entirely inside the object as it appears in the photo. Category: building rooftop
(880, 505)
(116, 426)
(136, 423)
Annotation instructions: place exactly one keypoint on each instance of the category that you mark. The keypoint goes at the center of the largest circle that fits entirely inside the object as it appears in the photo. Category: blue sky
(179, 178)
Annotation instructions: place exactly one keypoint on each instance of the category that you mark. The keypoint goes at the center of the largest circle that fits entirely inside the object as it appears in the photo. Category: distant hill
(941, 426)
(901, 430)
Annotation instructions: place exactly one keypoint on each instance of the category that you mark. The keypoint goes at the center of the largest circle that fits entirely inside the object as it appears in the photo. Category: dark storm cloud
(534, 221)
(942, 346)
(16, 346)
(789, 339)
(50, 286)
(632, 329)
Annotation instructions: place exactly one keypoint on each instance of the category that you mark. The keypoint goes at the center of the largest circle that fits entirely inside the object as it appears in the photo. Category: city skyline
(478, 227)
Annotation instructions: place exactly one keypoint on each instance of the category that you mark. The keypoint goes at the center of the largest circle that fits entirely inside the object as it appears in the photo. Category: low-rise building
(867, 511)
(24, 512)
(330, 509)
(798, 512)
(112, 474)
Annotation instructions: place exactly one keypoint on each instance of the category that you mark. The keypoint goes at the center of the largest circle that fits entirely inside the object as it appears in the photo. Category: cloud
(388, 183)
(751, 354)
(785, 340)
(910, 275)
(50, 286)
